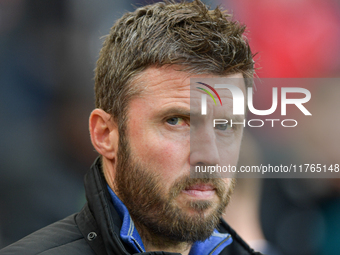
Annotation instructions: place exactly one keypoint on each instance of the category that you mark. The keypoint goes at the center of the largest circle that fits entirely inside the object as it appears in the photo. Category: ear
(104, 133)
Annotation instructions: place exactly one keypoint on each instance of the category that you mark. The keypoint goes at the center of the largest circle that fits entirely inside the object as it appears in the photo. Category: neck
(154, 242)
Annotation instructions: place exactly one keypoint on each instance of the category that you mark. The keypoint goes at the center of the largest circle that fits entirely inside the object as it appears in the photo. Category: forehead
(169, 80)
(164, 80)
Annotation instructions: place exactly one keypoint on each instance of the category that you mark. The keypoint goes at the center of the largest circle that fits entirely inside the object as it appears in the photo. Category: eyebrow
(182, 111)
(238, 118)
(235, 118)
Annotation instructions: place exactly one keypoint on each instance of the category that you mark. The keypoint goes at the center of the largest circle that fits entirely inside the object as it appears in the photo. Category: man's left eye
(175, 121)
(222, 127)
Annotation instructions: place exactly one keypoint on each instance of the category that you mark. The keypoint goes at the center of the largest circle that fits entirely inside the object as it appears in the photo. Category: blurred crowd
(48, 51)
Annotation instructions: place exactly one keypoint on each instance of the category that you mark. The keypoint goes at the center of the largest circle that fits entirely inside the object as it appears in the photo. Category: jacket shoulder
(238, 246)
(62, 237)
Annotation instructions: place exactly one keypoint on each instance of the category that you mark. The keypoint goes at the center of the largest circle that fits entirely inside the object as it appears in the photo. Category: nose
(203, 146)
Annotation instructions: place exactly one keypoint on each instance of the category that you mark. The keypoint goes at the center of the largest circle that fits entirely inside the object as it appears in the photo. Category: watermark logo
(204, 97)
(239, 104)
(238, 99)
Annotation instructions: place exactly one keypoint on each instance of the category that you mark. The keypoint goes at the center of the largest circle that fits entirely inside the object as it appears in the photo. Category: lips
(200, 191)
(201, 187)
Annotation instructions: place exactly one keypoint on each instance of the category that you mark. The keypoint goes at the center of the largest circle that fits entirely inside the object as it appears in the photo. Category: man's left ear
(104, 133)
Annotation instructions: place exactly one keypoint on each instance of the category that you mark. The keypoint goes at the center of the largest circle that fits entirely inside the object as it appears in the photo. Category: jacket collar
(103, 212)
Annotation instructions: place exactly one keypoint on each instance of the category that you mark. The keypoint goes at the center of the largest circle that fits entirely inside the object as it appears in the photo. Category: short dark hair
(187, 34)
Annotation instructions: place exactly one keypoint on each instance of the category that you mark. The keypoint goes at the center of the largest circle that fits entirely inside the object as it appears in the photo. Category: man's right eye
(175, 121)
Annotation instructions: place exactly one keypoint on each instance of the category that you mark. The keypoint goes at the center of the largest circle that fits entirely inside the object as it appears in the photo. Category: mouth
(200, 191)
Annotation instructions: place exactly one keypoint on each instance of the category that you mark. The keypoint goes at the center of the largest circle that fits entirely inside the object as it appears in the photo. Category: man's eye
(175, 121)
(222, 127)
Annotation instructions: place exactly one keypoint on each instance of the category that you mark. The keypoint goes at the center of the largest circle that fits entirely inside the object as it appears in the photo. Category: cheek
(167, 159)
(164, 156)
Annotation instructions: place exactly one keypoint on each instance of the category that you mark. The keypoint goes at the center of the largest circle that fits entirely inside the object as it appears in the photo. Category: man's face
(154, 161)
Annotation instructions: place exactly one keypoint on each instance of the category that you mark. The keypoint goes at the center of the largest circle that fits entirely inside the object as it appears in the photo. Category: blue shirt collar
(129, 235)
(128, 232)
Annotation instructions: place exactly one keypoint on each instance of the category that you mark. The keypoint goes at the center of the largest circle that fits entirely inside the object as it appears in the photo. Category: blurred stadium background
(48, 50)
